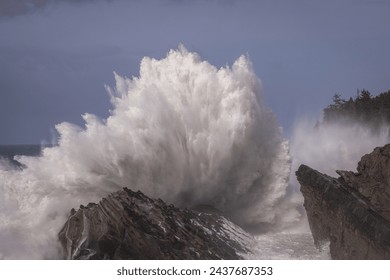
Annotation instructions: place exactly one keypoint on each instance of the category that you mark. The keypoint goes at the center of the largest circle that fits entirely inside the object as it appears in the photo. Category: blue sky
(57, 55)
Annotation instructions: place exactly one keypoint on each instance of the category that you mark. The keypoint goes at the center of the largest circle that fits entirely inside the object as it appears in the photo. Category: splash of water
(183, 131)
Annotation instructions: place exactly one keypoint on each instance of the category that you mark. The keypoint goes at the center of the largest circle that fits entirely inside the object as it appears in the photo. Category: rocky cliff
(351, 212)
(130, 225)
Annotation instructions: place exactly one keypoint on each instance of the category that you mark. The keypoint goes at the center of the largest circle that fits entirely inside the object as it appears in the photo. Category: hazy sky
(56, 56)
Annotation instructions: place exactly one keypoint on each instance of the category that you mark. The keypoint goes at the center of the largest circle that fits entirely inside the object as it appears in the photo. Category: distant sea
(9, 152)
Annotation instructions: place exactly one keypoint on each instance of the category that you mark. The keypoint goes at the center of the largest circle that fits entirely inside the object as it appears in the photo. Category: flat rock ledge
(130, 225)
(351, 212)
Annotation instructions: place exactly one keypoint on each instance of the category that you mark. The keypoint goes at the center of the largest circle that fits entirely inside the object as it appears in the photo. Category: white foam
(183, 131)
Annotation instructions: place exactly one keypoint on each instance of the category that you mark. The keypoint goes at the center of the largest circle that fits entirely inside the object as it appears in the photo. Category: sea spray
(332, 146)
(183, 131)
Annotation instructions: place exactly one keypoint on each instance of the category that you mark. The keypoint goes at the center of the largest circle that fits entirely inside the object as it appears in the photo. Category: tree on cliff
(365, 109)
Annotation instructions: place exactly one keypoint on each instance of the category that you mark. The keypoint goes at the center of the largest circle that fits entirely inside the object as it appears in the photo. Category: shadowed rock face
(353, 211)
(130, 225)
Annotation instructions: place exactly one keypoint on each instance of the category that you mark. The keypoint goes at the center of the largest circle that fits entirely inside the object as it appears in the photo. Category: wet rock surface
(130, 225)
(351, 212)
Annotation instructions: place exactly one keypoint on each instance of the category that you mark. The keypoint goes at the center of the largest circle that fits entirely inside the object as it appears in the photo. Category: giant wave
(183, 131)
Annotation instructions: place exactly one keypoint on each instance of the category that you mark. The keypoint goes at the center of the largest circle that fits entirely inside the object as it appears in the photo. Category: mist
(334, 146)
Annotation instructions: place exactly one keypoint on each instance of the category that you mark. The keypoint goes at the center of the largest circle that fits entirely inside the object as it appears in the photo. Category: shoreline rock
(351, 212)
(130, 225)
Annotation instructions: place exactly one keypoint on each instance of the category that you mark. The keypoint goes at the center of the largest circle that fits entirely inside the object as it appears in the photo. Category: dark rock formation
(353, 211)
(130, 225)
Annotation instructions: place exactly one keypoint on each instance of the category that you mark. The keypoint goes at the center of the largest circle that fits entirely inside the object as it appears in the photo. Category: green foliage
(365, 108)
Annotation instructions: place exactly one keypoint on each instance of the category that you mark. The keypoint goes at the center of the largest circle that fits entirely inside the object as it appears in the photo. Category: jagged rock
(130, 225)
(352, 212)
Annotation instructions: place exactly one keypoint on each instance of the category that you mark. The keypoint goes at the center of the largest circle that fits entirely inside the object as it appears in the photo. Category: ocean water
(279, 246)
(267, 246)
